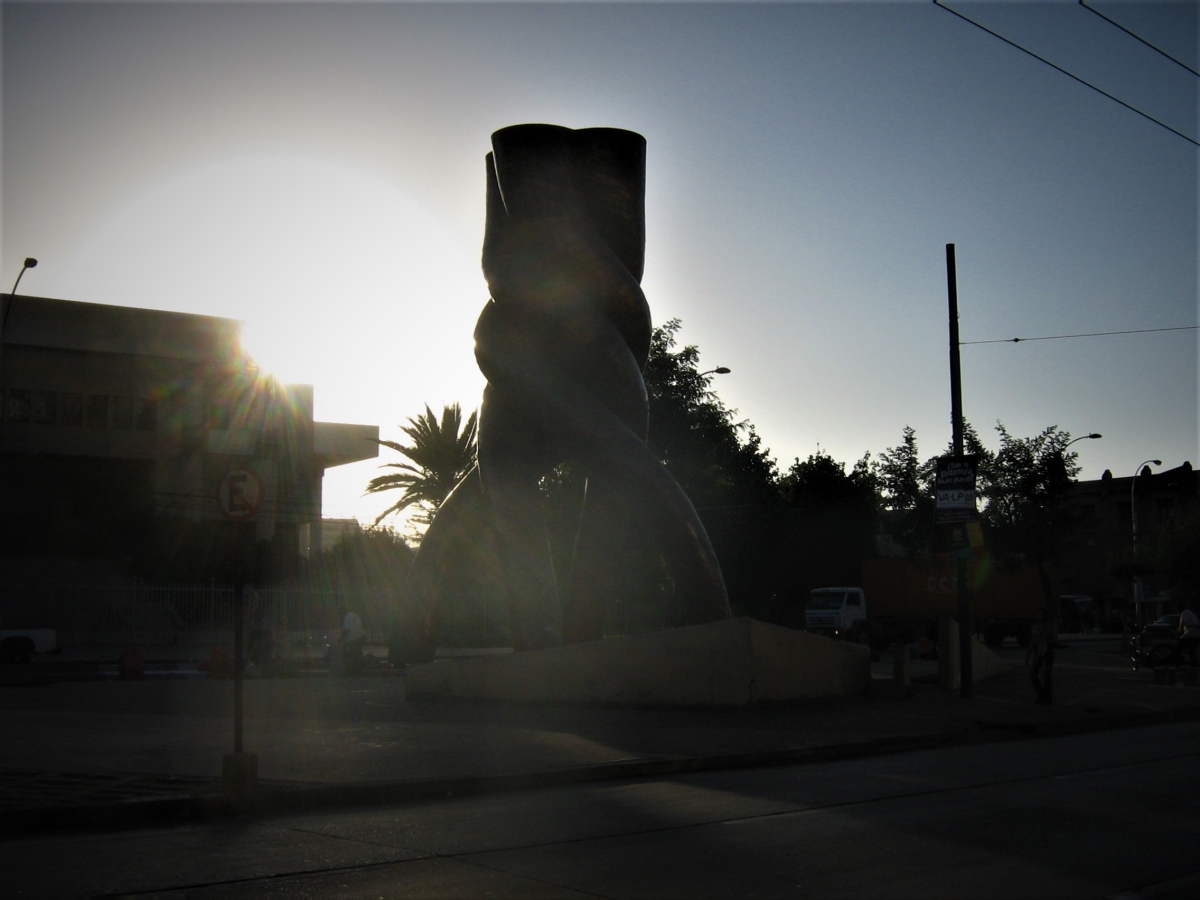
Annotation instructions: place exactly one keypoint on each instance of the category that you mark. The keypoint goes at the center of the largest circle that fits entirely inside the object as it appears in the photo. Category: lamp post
(1137, 576)
(1087, 437)
(719, 370)
(30, 263)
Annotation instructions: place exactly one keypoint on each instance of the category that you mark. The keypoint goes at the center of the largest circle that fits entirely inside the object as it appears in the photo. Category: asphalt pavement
(101, 752)
(1100, 815)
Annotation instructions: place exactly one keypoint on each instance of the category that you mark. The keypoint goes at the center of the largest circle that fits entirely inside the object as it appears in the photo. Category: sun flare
(342, 280)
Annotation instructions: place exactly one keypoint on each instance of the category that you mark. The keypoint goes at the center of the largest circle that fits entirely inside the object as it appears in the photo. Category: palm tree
(441, 455)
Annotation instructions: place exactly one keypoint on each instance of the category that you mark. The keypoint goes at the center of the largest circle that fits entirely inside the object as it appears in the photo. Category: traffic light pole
(965, 667)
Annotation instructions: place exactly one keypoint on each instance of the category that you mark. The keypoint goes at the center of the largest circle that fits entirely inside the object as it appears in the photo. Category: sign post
(240, 496)
(966, 668)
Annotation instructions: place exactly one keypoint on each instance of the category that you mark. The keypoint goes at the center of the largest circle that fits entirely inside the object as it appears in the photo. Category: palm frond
(440, 455)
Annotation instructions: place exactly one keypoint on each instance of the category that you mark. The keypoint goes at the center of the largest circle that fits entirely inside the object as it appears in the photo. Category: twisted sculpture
(563, 342)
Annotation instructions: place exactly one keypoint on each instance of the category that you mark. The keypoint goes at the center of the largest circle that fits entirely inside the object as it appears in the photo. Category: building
(115, 420)
(1098, 558)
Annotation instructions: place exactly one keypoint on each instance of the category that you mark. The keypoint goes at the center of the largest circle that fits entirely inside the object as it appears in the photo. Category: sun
(342, 280)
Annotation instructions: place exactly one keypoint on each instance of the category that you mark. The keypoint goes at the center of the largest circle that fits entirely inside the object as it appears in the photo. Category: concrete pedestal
(736, 662)
(984, 663)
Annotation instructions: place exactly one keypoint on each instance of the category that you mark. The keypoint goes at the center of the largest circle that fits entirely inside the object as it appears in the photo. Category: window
(122, 413)
(18, 405)
(45, 407)
(1164, 508)
(96, 411)
(146, 415)
(72, 409)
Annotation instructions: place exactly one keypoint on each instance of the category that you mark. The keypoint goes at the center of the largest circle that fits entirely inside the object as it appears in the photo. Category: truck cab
(839, 612)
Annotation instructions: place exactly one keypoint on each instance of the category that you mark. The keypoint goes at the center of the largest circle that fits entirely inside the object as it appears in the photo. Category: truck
(897, 598)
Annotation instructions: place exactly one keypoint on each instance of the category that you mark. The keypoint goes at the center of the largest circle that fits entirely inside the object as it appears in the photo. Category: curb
(271, 801)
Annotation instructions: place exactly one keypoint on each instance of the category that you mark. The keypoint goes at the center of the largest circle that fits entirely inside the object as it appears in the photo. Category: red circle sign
(240, 495)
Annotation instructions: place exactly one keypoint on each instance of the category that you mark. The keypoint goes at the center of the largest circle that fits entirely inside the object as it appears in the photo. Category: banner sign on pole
(956, 489)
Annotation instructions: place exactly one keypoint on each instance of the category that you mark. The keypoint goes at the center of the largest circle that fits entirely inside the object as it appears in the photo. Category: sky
(316, 170)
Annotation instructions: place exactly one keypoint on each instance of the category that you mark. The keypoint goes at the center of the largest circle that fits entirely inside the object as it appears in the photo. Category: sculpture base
(732, 663)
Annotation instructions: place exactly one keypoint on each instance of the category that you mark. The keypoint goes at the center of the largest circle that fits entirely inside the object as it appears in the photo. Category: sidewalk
(107, 752)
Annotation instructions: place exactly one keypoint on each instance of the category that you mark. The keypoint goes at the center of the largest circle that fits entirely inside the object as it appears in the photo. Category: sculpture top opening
(563, 342)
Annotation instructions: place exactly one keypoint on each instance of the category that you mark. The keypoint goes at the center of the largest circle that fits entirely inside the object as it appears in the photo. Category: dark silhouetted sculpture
(563, 342)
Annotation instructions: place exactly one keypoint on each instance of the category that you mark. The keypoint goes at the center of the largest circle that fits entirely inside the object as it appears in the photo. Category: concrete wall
(737, 662)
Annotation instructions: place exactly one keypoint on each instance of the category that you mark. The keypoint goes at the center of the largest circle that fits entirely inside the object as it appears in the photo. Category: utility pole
(239, 661)
(965, 667)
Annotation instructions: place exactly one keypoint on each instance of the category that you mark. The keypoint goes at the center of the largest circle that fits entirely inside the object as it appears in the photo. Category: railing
(163, 614)
(149, 614)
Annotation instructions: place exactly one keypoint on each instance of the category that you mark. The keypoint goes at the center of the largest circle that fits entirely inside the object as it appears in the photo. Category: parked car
(18, 645)
(1154, 644)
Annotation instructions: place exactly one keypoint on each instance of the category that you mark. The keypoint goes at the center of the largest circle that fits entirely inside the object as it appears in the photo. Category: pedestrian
(353, 639)
(1189, 636)
(1040, 658)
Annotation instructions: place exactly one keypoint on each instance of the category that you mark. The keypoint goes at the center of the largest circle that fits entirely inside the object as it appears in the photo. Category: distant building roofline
(102, 328)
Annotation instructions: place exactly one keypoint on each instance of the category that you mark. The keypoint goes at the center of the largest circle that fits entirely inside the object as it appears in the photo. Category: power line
(1138, 37)
(1062, 337)
(1058, 68)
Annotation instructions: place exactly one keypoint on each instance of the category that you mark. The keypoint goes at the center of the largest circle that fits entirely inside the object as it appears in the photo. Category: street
(1095, 815)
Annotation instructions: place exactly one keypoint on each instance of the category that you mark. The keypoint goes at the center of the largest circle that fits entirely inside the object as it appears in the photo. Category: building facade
(1099, 558)
(114, 420)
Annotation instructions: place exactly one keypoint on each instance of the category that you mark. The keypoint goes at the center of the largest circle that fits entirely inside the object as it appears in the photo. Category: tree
(716, 459)
(441, 455)
(1024, 485)
(833, 519)
(907, 493)
(372, 558)
(720, 463)
(1021, 488)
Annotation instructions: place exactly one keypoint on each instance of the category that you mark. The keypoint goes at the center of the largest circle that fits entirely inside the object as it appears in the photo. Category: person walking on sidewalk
(1189, 637)
(1040, 658)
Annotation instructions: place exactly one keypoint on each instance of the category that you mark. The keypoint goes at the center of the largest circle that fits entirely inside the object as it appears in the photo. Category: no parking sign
(240, 494)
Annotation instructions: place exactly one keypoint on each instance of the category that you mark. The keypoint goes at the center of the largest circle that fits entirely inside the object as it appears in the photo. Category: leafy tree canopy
(1023, 485)
(821, 482)
(370, 558)
(715, 458)
(1021, 488)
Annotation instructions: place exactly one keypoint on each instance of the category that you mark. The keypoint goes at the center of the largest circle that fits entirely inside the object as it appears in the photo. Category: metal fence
(172, 613)
(164, 614)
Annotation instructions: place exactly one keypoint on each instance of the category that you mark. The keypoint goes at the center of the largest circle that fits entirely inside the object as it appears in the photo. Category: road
(1100, 815)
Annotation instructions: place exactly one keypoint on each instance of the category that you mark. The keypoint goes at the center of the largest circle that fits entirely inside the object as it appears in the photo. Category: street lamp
(1137, 576)
(1087, 437)
(30, 263)
(719, 370)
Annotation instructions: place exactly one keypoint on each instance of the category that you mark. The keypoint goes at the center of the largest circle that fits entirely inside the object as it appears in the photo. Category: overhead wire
(1070, 75)
(1138, 37)
(1063, 337)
